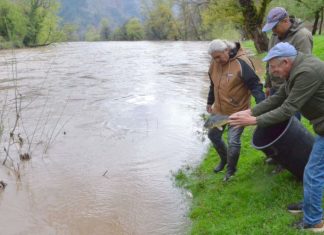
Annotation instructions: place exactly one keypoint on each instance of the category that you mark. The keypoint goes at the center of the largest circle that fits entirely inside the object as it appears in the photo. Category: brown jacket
(230, 93)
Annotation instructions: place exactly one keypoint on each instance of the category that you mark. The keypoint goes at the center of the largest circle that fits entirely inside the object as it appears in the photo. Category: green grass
(318, 49)
(254, 201)
(249, 45)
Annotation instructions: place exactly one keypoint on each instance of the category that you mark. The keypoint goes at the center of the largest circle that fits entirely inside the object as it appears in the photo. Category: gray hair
(291, 58)
(220, 45)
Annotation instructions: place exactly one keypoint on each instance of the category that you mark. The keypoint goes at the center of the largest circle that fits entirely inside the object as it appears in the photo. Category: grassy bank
(253, 202)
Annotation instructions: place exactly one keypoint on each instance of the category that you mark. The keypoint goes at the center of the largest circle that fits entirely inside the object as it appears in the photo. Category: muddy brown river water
(106, 124)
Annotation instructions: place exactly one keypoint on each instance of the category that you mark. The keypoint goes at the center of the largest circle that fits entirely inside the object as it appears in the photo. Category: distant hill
(90, 12)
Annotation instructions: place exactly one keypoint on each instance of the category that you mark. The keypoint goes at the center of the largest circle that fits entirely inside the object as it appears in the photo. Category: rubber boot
(222, 152)
(233, 154)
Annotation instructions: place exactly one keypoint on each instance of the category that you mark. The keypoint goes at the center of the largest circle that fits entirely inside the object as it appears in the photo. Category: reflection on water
(130, 110)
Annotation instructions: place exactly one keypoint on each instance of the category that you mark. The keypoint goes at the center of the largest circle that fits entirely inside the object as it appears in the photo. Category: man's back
(303, 91)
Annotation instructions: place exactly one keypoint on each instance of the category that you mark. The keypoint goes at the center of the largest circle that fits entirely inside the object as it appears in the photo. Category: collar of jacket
(233, 52)
(299, 59)
(296, 24)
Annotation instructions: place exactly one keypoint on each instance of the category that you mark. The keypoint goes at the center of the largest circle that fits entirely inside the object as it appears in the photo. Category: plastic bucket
(289, 143)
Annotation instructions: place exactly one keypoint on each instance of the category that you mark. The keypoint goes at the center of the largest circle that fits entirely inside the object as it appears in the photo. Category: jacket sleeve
(270, 103)
(302, 90)
(211, 96)
(252, 81)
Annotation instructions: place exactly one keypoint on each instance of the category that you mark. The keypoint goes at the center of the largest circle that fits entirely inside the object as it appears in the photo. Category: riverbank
(11, 45)
(254, 201)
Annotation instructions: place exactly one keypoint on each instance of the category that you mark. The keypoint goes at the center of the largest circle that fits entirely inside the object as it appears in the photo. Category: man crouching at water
(232, 80)
(302, 91)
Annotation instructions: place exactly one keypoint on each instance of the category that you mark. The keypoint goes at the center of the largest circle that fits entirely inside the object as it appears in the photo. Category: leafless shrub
(16, 142)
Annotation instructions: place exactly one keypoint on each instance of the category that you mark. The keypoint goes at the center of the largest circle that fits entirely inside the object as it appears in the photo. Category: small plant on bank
(18, 141)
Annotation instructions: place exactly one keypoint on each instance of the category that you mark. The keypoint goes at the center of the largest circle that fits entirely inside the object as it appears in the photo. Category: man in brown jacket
(232, 81)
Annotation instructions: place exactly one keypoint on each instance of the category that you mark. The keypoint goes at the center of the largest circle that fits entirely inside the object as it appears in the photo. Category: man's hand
(242, 118)
(209, 108)
(243, 113)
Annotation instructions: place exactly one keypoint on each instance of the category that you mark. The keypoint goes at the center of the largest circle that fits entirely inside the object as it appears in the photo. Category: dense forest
(41, 22)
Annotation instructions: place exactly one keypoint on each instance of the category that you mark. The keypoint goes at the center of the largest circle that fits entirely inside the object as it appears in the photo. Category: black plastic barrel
(289, 143)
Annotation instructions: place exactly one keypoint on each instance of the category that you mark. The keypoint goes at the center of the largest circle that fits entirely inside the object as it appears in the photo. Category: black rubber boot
(222, 152)
(233, 154)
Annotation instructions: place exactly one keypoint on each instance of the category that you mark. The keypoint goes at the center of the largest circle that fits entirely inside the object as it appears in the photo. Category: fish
(216, 121)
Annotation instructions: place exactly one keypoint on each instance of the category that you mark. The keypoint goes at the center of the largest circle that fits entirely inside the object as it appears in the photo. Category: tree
(119, 34)
(29, 22)
(246, 16)
(253, 22)
(70, 33)
(160, 23)
(42, 21)
(13, 26)
(104, 30)
(134, 30)
(307, 9)
(190, 19)
(49, 26)
(92, 34)
(315, 8)
(222, 19)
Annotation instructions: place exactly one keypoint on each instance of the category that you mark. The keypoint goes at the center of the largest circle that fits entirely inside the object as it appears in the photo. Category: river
(106, 125)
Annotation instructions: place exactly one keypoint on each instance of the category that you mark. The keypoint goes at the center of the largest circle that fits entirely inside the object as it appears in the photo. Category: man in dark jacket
(232, 81)
(302, 91)
(285, 29)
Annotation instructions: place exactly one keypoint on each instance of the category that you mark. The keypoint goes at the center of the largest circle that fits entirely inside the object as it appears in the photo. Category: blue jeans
(233, 136)
(314, 183)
